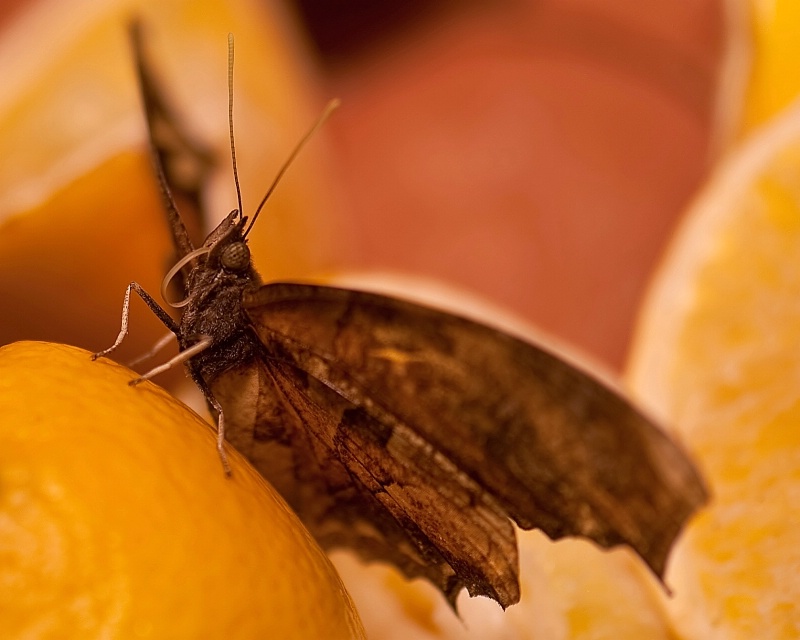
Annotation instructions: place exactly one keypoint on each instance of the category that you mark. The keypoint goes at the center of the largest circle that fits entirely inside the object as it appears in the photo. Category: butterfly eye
(235, 257)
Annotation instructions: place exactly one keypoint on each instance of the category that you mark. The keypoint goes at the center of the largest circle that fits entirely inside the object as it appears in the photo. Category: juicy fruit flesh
(718, 356)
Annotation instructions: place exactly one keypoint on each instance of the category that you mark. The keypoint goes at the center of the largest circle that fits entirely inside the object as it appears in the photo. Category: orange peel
(116, 518)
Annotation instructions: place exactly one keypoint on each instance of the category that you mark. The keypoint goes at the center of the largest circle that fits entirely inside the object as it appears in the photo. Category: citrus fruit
(116, 519)
(716, 355)
(770, 35)
(758, 74)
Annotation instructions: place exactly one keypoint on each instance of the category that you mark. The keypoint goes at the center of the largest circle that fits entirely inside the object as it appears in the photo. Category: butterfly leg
(217, 407)
(158, 346)
(126, 303)
(182, 357)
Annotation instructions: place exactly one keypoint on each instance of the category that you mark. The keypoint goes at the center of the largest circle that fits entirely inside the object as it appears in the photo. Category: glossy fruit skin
(116, 517)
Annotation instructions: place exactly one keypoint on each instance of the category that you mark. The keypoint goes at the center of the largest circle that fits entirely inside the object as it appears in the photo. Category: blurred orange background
(535, 152)
(538, 152)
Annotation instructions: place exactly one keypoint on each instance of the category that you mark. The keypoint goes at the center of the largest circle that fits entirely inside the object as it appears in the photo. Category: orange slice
(717, 356)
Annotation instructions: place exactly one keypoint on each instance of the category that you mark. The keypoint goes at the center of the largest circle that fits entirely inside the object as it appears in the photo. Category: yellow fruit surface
(117, 521)
(718, 356)
(772, 37)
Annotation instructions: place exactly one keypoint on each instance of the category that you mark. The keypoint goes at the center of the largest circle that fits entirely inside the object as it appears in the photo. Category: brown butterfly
(408, 434)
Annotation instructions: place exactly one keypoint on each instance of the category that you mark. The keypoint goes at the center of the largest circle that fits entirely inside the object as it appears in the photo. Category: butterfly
(409, 434)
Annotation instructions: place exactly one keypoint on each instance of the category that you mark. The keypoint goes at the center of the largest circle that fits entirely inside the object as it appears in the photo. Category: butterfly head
(227, 245)
(235, 257)
(224, 253)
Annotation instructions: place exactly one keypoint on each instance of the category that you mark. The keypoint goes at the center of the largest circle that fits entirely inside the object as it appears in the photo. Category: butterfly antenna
(230, 124)
(330, 107)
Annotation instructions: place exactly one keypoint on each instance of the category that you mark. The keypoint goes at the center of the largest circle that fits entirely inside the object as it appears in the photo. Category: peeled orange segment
(116, 519)
(718, 356)
(571, 590)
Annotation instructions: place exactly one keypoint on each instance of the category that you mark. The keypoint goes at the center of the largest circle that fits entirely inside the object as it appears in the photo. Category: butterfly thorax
(215, 288)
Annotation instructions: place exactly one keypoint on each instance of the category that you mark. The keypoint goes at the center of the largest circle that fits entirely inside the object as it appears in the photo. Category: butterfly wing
(395, 395)
(390, 500)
